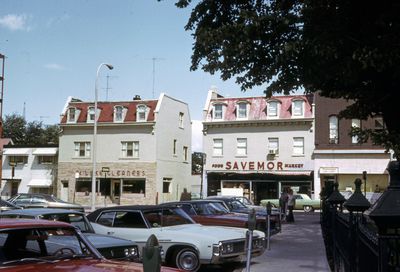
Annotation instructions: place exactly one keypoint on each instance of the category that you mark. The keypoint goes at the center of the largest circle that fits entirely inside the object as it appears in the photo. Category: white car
(185, 244)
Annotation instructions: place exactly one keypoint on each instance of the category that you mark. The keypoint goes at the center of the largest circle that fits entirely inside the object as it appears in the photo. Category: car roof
(192, 201)
(7, 223)
(40, 211)
(93, 215)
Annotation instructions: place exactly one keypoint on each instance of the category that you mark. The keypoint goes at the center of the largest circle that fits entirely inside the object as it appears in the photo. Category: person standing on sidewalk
(283, 202)
(291, 204)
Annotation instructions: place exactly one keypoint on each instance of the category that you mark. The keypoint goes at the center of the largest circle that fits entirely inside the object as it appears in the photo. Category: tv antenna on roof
(154, 59)
(107, 88)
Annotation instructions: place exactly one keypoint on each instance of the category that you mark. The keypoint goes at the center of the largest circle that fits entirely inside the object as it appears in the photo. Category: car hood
(92, 265)
(206, 232)
(106, 241)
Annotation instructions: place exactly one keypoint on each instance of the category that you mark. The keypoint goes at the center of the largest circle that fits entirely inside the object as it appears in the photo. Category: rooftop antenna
(154, 59)
(24, 111)
(107, 88)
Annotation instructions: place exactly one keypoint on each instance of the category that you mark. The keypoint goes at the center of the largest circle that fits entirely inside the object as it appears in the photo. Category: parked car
(40, 245)
(42, 201)
(235, 204)
(215, 213)
(6, 206)
(110, 247)
(186, 245)
(303, 202)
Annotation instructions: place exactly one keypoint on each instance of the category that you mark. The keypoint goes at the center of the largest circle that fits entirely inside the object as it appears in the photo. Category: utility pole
(154, 59)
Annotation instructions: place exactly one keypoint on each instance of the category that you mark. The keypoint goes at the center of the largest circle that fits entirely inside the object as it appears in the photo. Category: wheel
(187, 260)
(308, 208)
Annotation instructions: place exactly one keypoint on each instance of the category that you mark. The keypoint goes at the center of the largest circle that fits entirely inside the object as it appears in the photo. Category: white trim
(16, 151)
(39, 183)
(45, 151)
(350, 151)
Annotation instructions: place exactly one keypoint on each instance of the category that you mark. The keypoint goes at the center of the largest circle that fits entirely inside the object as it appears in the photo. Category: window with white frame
(218, 147)
(167, 185)
(241, 147)
(273, 109)
(273, 146)
(181, 115)
(130, 149)
(82, 149)
(298, 108)
(185, 153)
(218, 112)
(174, 147)
(333, 129)
(298, 146)
(241, 110)
(141, 113)
(118, 114)
(46, 159)
(15, 159)
(355, 123)
(71, 115)
(90, 116)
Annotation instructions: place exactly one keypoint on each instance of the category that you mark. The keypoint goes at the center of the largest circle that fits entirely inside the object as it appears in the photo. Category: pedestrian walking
(283, 202)
(291, 204)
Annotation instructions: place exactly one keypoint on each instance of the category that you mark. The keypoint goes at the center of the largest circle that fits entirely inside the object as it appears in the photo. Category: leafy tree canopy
(342, 49)
(30, 134)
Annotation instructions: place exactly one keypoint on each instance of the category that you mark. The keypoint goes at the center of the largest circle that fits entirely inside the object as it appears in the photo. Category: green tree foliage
(30, 134)
(197, 163)
(342, 49)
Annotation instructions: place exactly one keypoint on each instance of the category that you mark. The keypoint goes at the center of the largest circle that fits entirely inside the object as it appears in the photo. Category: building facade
(142, 153)
(258, 145)
(28, 170)
(340, 157)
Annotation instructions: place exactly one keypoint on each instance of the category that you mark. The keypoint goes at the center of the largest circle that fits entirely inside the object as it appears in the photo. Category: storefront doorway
(115, 191)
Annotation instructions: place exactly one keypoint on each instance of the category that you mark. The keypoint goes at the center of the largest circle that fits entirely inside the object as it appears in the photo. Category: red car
(215, 213)
(41, 245)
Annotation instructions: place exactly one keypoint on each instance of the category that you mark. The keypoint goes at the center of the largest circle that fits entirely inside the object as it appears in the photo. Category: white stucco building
(258, 145)
(143, 151)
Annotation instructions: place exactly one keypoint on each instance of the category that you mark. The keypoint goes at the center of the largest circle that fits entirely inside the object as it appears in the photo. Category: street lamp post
(109, 66)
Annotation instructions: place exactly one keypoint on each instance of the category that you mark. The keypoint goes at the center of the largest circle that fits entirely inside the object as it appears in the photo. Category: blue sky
(53, 49)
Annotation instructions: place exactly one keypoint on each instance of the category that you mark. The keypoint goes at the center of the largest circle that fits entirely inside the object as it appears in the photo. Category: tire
(186, 259)
(308, 208)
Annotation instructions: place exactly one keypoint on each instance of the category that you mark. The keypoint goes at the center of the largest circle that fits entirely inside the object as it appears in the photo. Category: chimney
(137, 97)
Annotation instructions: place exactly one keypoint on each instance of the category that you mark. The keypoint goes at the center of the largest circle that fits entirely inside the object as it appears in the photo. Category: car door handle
(110, 232)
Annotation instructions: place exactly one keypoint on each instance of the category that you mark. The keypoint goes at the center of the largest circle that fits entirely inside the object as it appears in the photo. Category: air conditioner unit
(272, 151)
(333, 140)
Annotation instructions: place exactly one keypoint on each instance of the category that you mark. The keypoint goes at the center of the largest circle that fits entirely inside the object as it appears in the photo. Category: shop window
(218, 147)
(181, 115)
(241, 147)
(355, 123)
(130, 149)
(46, 159)
(18, 159)
(83, 186)
(298, 146)
(82, 149)
(333, 129)
(134, 186)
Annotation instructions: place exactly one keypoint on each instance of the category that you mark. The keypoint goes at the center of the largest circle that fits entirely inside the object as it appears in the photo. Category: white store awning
(16, 151)
(49, 151)
(40, 183)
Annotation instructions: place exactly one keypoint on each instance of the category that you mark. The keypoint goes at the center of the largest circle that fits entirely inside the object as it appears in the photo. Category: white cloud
(54, 66)
(197, 136)
(15, 22)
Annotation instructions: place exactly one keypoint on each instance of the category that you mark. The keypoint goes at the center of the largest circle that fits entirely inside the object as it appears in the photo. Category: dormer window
(90, 116)
(273, 108)
(298, 108)
(242, 110)
(71, 116)
(118, 114)
(218, 111)
(141, 113)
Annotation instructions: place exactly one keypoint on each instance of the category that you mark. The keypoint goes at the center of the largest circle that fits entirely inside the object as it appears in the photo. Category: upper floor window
(333, 129)
(355, 123)
(46, 159)
(241, 148)
(130, 149)
(82, 149)
(242, 110)
(141, 114)
(90, 116)
(181, 115)
(273, 109)
(378, 123)
(71, 116)
(185, 153)
(118, 114)
(297, 108)
(218, 147)
(18, 159)
(273, 146)
(298, 146)
(218, 113)
(174, 147)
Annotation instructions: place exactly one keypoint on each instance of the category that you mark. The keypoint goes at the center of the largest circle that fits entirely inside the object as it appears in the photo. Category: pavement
(298, 248)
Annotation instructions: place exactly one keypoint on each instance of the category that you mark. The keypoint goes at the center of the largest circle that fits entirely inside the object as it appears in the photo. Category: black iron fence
(359, 237)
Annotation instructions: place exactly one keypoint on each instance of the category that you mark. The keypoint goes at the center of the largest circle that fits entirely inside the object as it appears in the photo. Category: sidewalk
(298, 248)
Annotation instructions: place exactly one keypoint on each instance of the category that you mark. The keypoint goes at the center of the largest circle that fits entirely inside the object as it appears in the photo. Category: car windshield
(236, 204)
(211, 208)
(167, 217)
(245, 200)
(5, 203)
(40, 244)
(75, 219)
